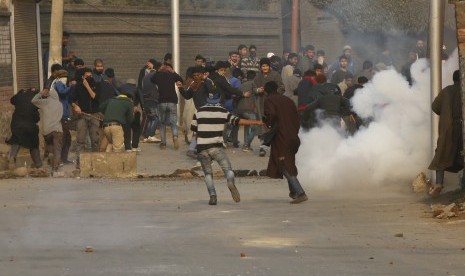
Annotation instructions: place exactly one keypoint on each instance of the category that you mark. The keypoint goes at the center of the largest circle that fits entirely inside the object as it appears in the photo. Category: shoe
(175, 142)
(136, 149)
(152, 139)
(435, 190)
(128, 150)
(293, 195)
(212, 200)
(66, 162)
(236, 145)
(197, 166)
(247, 149)
(234, 192)
(262, 152)
(162, 146)
(191, 154)
(300, 198)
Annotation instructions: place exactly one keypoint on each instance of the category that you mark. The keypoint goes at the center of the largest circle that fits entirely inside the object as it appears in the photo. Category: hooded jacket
(51, 110)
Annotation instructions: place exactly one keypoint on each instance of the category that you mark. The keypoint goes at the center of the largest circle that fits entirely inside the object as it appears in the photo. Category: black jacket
(200, 95)
(24, 129)
(81, 97)
(224, 88)
(166, 81)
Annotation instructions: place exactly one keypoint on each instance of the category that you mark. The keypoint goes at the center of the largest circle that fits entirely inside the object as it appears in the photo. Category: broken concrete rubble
(442, 211)
(421, 184)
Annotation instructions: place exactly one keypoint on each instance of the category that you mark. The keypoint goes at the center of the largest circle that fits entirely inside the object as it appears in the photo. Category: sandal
(435, 190)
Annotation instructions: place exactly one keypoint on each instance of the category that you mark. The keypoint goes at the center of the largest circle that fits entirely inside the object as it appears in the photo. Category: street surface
(155, 226)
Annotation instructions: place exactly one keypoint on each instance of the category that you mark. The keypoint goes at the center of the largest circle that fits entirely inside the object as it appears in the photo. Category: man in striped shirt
(209, 123)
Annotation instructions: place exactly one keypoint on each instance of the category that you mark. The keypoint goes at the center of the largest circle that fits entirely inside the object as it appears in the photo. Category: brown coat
(448, 105)
(285, 144)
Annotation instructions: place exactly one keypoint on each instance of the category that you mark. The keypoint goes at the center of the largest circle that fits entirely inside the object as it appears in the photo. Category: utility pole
(436, 36)
(175, 34)
(295, 26)
(56, 33)
(176, 51)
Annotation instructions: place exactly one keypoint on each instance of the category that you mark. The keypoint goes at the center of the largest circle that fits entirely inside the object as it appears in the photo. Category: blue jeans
(168, 116)
(219, 155)
(151, 121)
(193, 144)
(249, 131)
(293, 183)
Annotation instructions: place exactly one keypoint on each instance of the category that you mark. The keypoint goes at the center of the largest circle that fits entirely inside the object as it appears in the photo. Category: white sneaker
(153, 139)
(136, 149)
(197, 166)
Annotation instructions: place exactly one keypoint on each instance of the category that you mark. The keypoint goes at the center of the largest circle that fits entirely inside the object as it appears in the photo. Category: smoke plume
(395, 146)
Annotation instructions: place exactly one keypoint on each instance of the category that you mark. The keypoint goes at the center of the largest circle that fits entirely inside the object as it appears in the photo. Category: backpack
(328, 89)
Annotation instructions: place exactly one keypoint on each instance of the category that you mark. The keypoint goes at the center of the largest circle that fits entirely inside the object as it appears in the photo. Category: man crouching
(118, 111)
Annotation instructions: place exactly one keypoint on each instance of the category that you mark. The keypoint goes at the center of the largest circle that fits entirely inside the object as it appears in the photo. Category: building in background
(19, 48)
(127, 35)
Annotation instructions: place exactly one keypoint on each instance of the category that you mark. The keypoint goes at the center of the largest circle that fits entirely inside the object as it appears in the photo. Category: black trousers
(132, 132)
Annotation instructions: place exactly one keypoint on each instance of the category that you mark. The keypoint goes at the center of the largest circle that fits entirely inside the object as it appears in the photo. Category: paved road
(165, 227)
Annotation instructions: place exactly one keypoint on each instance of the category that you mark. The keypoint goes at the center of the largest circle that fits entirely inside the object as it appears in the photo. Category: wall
(6, 75)
(322, 30)
(4, 4)
(125, 37)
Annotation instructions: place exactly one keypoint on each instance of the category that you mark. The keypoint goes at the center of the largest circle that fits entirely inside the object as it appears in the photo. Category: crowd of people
(272, 97)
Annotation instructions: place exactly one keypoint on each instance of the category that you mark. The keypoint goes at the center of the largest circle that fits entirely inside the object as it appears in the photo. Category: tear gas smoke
(392, 149)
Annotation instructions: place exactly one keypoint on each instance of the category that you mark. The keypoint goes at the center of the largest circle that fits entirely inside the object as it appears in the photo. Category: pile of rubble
(421, 184)
(442, 211)
(195, 172)
(8, 171)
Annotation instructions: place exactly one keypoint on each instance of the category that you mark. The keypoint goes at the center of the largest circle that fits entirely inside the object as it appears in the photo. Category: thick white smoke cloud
(393, 149)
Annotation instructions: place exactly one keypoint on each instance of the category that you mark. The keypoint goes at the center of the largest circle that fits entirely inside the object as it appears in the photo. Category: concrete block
(3, 163)
(108, 164)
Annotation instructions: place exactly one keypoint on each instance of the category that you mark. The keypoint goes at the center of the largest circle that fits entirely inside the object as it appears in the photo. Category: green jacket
(117, 109)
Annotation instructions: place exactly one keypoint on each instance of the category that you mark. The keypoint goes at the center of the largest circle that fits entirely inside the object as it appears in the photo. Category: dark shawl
(448, 105)
(24, 129)
(285, 144)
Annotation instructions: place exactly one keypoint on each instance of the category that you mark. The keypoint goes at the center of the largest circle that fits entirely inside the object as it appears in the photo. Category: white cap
(270, 54)
(347, 47)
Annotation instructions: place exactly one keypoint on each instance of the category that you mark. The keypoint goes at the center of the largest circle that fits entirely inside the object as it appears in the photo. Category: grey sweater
(247, 105)
(51, 111)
